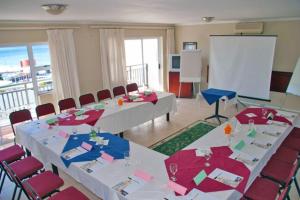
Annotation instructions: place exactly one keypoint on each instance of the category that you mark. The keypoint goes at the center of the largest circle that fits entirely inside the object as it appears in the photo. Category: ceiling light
(54, 9)
(207, 19)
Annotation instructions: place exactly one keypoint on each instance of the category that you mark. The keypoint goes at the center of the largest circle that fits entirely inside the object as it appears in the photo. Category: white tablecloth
(116, 119)
(101, 181)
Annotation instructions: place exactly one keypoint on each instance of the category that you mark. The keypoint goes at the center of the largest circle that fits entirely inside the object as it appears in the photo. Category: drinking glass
(264, 113)
(173, 169)
(74, 132)
(251, 124)
(98, 129)
(207, 156)
(127, 158)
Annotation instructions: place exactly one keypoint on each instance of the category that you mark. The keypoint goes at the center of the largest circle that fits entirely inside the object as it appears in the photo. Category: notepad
(200, 177)
(240, 145)
(129, 185)
(74, 153)
(225, 177)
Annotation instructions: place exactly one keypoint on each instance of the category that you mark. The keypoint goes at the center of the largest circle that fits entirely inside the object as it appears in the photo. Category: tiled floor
(189, 111)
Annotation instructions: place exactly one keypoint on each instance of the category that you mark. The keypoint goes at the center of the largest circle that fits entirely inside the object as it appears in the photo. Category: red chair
(103, 94)
(118, 91)
(132, 87)
(66, 104)
(293, 143)
(23, 169)
(45, 109)
(19, 116)
(86, 99)
(286, 155)
(9, 155)
(69, 193)
(37, 187)
(262, 189)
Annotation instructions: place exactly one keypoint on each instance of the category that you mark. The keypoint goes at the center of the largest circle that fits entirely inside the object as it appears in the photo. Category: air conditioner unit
(249, 27)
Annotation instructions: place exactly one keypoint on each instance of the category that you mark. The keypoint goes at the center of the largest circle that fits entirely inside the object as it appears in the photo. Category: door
(143, 62)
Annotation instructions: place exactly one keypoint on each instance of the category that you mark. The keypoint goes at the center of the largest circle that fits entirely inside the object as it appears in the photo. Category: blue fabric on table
(212, 95)
(116, 147)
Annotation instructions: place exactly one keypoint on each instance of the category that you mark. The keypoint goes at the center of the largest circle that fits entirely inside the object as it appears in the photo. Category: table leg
(168, 117)
(216, 115)
(54, 169)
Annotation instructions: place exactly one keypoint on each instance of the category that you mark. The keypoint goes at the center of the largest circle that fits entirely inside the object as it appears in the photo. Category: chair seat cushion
(278, 170)
(70, 193)
(26, 167)
(295, 133)
(262, 189)
(11, 153)
(286, 154)
(44, 183)
(293, 143)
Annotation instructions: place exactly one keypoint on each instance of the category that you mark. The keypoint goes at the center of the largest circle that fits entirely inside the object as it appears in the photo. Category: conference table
(47, 144)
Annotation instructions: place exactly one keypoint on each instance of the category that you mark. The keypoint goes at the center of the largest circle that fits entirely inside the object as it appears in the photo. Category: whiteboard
(190, 66)
(294, 85)
(242, 64)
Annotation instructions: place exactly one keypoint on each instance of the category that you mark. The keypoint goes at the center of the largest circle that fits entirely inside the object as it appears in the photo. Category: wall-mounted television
(174, 62)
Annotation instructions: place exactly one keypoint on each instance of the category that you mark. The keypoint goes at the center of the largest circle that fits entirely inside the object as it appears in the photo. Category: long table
(100, 182)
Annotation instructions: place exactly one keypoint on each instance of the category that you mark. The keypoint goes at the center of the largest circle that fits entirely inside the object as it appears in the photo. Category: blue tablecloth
(116, 147)
(212, 95)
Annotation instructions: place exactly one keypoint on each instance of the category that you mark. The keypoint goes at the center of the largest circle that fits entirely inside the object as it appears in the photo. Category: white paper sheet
(225, 177)
(72, 153)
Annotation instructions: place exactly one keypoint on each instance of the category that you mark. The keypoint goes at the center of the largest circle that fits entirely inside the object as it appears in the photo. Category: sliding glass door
(143, 62)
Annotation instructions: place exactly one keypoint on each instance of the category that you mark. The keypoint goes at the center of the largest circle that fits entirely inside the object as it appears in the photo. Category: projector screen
(294, 85)
(242, 64)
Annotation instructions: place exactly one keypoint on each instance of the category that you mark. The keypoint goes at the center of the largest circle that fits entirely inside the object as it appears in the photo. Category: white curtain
(170, 41)
(112, 55)
(63, 64)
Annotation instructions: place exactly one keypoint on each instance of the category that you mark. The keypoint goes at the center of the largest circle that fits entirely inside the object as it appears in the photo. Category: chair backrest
(103, 94)
(18, 117)
(119, 90)
(44, 109)
(66, 104)
(86, 99)
(132, 87)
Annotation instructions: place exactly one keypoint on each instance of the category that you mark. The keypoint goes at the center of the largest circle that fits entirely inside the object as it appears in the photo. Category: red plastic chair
(68, 194)
(66, 104)
(262, 189)
(286, 155)
(103, 94)
(293, 143)
(132, 87)
(86, 99)
(295, 133)
(19, 116)
(45, 109)
(22, 169)
(118, 91)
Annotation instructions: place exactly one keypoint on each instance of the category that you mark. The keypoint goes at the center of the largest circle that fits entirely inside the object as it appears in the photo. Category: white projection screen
(242, 64)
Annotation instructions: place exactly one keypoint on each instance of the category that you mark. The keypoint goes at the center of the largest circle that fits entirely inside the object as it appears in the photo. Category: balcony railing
(137, 74)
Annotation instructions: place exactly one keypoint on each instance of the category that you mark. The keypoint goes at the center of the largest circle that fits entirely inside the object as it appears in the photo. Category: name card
(240, 145)
(63, 134)
(107, 157)
(252, 133)
(200, 177)
(177, 188)
(143, 175)
(86, 146)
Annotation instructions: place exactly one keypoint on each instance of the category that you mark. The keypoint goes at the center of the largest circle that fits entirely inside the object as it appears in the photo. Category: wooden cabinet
(186, 88)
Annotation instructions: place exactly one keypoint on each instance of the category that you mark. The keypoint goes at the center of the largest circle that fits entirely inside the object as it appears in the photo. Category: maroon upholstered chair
(44, 109)
(103, 94)
(292, 143)
(132, 87)
(262, 189)
(22, 169)
(19, 116)
(86, 99)
(69, 193)
(66, 104)
(295, 133)
(118, 91)
(285, 154)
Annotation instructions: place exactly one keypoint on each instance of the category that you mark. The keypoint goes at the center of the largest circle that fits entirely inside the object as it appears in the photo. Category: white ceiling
(151, 11)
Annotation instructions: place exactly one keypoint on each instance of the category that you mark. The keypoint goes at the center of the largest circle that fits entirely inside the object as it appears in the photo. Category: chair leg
(297, 185)
(19, 195)
(14, 194)
(2, 182)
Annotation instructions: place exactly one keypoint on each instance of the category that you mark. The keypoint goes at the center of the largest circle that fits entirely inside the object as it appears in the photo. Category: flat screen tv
(174, 62)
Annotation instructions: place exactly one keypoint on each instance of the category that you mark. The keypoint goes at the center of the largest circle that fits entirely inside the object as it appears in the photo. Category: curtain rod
(129, 27)
(37, 28)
